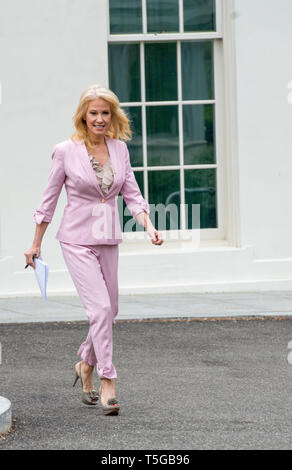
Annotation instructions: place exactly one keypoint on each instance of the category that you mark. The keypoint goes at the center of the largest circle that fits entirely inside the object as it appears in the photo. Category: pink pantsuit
(89, 235)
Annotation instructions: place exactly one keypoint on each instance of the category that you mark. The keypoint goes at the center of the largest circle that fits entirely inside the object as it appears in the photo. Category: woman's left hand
(143, 219)
(155, 237)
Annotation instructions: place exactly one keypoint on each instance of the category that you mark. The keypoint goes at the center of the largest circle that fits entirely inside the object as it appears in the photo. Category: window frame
(218, 233)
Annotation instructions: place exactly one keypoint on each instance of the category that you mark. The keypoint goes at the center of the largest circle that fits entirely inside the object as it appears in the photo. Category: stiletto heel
(89, 398)
(76, 378)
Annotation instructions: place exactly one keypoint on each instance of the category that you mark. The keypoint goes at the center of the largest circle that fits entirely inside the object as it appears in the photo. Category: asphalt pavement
(182, 384)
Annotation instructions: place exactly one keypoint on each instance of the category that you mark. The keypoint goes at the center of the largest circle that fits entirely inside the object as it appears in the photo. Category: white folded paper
(42, 273)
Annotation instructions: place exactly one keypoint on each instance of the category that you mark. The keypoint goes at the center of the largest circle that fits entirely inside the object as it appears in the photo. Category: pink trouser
(94, 271)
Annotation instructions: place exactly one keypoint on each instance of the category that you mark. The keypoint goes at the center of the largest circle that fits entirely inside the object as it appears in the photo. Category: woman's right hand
(34, 250)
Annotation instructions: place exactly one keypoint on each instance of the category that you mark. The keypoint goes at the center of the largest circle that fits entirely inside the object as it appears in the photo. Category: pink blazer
(90, 217)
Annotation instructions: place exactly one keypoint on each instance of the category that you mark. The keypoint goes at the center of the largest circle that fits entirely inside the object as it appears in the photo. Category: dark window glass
(200, 188)
(128, 223)
(162, 135)
(164, 189)
(161, 71)
(135, 145)
(162, 16)
(197, 70)
(199, 134)
(124, 71)
(199, 15)
(125, 16)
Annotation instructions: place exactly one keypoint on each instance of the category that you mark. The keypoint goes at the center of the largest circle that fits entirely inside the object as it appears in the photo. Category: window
(163, 56)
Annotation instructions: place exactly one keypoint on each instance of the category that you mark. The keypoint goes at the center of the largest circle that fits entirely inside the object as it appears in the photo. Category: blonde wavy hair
(120, 122)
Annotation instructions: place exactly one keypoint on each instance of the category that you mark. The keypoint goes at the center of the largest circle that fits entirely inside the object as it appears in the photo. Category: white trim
(219, 6)
(254, 285)
(181, 16)
(179, 238)
(158, 37)
(233, 234)
(176, 167)
(222, 201)
(180, 135)
(166, 103)
(144, 17)
(108, 33)
(142, 77)
(143, 118)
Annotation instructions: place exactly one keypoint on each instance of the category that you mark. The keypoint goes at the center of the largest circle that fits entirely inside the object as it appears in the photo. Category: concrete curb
(5, 414)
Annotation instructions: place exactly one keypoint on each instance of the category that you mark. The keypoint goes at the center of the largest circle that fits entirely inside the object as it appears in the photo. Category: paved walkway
(69, 308)
(181, 385)
(203, 371)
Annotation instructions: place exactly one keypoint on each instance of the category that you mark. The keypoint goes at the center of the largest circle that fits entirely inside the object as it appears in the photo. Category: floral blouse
(104, 173)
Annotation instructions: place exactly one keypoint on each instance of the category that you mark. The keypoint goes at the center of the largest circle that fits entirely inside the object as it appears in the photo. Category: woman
(95, 167)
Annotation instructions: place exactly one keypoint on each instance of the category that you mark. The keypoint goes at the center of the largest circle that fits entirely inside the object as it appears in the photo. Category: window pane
(127, 222)
(135, 145)
(197, 70)
(161, 71)
(199, 15)
(164, 188)
(199, 134)
(162, 15)
(124, 71)
(125, 16)
(162, 135)
(200, 188)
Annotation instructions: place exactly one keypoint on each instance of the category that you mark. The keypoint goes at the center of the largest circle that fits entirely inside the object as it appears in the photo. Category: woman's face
(98, 118)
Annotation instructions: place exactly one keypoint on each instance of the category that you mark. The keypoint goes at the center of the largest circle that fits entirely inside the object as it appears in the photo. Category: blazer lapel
(89, 169)
(113, 156)
(91, 175)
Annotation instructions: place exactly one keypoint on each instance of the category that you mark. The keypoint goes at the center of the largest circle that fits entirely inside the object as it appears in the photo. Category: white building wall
(51, 51)
(264, 69)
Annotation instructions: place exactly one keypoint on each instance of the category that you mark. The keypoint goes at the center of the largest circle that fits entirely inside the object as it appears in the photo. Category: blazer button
(102, 200)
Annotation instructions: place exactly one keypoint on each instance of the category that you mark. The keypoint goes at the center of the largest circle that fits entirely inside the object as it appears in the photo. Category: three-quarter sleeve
(57, 176)
(131, 191)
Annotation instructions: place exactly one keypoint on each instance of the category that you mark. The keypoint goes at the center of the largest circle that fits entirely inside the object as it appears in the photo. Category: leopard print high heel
(111, 407)
(88, 398)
